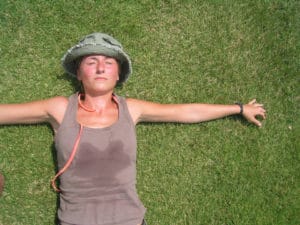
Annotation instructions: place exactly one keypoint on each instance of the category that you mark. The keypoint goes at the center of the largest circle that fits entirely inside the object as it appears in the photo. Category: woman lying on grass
(95, 133)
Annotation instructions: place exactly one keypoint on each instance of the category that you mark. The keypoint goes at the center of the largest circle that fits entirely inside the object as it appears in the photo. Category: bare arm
(143, 111)
(49, 110)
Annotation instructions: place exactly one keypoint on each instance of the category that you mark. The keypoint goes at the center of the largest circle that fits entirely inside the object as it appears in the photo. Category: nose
(100, 68)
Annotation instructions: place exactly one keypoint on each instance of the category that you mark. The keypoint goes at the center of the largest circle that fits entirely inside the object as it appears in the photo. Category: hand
(252, 110)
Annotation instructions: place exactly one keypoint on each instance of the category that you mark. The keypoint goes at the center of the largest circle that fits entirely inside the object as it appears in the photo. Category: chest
(97, 119)
(114, 143)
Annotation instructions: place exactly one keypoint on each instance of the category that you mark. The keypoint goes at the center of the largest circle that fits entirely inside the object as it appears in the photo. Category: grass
(221, 172)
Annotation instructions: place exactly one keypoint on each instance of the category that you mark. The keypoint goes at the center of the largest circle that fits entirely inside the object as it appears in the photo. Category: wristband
(241, 107)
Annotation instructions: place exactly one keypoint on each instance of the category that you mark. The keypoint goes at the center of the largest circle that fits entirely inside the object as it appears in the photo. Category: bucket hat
(97, 43)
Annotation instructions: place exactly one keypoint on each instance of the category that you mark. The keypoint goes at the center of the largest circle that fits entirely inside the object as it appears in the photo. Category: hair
(78, 61)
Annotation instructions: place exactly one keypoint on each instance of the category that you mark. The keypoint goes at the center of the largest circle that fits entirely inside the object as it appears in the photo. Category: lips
(101, 78)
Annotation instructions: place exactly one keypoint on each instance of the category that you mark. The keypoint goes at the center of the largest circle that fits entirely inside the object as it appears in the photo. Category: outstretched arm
(143, 111)
(49, 110)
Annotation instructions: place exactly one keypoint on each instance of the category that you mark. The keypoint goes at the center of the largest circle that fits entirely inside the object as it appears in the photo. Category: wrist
(241, 107)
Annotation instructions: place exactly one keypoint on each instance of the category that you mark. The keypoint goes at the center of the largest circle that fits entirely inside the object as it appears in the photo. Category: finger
(254, 120)
(252, 101)
(257, 123)
(259, 105)
(262, 115)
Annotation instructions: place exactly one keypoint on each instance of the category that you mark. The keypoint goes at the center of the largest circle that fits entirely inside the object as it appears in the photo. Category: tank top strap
(71, 111)
(124, 114)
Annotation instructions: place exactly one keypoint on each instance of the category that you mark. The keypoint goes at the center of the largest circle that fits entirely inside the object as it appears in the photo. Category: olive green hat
(97, 43)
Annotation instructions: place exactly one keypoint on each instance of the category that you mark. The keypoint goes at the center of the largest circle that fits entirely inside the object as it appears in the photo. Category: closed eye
(109, 61)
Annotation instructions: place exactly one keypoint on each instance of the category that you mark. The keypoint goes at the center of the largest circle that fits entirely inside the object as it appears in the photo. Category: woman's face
(98, 73)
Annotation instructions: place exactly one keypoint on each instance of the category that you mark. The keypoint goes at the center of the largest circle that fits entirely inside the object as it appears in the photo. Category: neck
(95, 103)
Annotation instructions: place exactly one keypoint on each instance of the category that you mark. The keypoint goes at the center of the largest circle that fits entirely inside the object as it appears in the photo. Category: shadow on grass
(242, 120)
(70, 79)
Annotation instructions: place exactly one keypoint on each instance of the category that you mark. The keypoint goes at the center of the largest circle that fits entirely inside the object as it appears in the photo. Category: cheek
(85, 73)
(113, 71)
(116, 73)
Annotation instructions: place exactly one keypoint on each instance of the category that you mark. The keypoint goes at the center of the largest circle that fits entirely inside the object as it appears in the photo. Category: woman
(95, 133)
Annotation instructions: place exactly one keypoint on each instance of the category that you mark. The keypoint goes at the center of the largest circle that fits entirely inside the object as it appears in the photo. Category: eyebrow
(95, 58)
(91, 57)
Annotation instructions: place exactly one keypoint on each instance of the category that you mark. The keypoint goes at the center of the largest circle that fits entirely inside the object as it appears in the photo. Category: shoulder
(137, 104)
(135, 108)
(58, 101)
(56, 104)
(141, 110)
(56, 108)
(132, 101)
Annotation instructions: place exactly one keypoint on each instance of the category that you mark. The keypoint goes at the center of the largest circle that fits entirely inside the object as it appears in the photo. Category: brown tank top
(99, 186)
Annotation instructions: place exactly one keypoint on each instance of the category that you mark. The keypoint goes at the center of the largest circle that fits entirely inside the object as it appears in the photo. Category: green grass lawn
(221, 172)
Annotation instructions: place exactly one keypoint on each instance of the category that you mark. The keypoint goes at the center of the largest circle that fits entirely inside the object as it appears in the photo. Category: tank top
(99, 187)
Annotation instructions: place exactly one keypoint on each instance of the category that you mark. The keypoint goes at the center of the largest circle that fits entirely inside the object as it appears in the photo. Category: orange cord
(69, 161)
(66, 166)
(82, 106)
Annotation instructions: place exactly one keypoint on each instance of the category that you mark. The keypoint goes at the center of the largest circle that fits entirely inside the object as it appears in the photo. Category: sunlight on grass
(221, 172)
